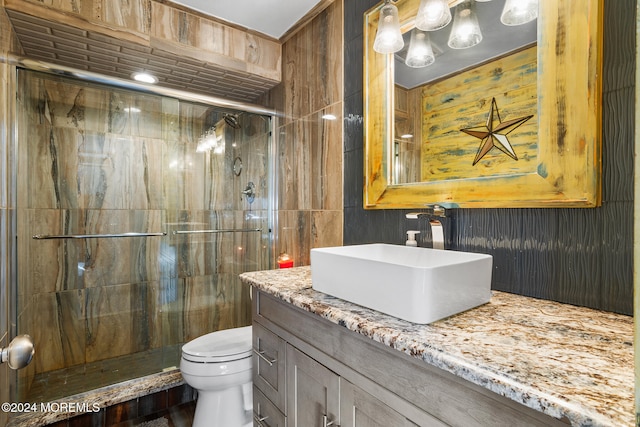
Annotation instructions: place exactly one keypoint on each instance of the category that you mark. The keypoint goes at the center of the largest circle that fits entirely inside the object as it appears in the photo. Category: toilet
(218, 366)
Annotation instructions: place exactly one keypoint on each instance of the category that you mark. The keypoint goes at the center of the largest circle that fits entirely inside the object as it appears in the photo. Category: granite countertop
(568, 362)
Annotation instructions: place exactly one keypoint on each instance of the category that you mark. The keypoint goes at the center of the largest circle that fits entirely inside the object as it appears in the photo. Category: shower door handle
(230, 230)
(94, 236)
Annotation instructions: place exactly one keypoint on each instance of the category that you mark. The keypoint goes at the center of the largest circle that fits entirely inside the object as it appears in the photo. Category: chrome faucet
(437, 231)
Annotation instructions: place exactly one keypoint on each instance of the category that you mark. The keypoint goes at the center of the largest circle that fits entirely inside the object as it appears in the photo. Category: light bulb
(144, 77)
(420, 53)
(518, 12)
(433, 15)
(465, 31)
(388, 37)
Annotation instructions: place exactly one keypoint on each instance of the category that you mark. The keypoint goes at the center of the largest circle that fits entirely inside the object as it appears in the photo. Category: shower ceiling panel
(90, 51)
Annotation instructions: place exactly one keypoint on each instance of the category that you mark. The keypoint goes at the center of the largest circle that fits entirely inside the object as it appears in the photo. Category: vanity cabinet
(311, 394)
(309, 371)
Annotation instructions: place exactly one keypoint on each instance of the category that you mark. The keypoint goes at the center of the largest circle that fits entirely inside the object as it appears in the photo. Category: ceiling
(61, 44)
(271, 17)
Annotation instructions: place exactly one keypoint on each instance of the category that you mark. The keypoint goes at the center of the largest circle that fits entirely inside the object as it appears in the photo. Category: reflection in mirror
(497, 40)
(413, 74)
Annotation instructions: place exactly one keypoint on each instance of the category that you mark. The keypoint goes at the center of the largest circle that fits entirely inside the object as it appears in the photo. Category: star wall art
(494, 133)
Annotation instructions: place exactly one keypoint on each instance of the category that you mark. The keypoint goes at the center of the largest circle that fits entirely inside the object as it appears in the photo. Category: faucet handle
(436, 210)
(439, 210)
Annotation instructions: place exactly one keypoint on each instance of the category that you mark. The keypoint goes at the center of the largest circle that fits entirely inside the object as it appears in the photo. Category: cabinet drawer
(361, 409)
(269, 365)
(265, 413)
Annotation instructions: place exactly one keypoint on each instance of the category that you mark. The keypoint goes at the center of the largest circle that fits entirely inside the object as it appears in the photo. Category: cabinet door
(265, 414)
(269, 364)
(313, 392)
(360, 409)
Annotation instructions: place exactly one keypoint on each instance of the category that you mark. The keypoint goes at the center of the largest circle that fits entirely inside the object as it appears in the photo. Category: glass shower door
(132, 228)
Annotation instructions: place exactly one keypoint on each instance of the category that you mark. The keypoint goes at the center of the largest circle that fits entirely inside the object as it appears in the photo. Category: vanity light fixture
(144, 77)
(465, 32)
(420, 53)
(518, 12)
(388, 36)
(433, 15)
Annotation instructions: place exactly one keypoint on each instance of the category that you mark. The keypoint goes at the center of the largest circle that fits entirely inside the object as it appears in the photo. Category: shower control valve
(250, 192)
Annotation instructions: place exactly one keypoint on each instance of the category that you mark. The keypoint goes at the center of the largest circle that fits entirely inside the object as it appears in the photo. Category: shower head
(232, 120)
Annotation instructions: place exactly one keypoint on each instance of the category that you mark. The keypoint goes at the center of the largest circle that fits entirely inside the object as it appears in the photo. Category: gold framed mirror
(563, 164)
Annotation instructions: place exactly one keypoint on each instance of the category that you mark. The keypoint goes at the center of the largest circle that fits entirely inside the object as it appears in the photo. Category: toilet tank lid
(227, 344)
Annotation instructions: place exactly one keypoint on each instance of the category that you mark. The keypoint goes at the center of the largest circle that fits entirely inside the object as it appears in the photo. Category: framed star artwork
(521, 130)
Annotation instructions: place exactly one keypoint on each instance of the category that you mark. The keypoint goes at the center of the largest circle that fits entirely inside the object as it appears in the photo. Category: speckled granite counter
(569, 362)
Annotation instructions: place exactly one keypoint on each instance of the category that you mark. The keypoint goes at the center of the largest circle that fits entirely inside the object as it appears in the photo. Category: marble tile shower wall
(309, 176)
(577, 256)
(102, 160)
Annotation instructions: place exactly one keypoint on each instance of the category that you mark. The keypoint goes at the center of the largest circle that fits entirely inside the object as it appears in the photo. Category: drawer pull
(262, 356)
(326, 422)
(258, 419)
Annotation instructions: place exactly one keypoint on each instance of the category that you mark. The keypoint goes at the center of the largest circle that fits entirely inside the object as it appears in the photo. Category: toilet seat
(220, 346)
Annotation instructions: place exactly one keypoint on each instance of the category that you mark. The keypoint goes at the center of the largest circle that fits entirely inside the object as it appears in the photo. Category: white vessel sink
(416, 284)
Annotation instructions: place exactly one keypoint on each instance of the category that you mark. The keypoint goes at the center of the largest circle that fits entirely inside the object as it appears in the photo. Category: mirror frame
(569, 86)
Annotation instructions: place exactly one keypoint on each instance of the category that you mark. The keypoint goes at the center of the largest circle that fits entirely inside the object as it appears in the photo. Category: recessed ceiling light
(144, 77)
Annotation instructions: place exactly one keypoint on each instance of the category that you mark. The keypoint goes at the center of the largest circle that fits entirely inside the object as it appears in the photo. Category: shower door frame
(18, 62)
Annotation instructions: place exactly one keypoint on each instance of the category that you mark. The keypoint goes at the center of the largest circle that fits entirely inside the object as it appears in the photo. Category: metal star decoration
(494, 133)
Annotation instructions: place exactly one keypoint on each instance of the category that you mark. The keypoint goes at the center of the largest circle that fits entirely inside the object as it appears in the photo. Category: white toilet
(218, 366)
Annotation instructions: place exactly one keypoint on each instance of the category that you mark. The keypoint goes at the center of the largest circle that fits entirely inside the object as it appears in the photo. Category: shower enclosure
(135, 214)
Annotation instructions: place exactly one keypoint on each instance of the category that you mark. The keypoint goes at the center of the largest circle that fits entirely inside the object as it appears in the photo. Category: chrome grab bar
(94, 236)
(231, 230)
(97, 236)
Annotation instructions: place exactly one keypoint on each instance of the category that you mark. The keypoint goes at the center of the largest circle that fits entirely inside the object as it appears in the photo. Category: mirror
(552, 159)
(497, 41)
